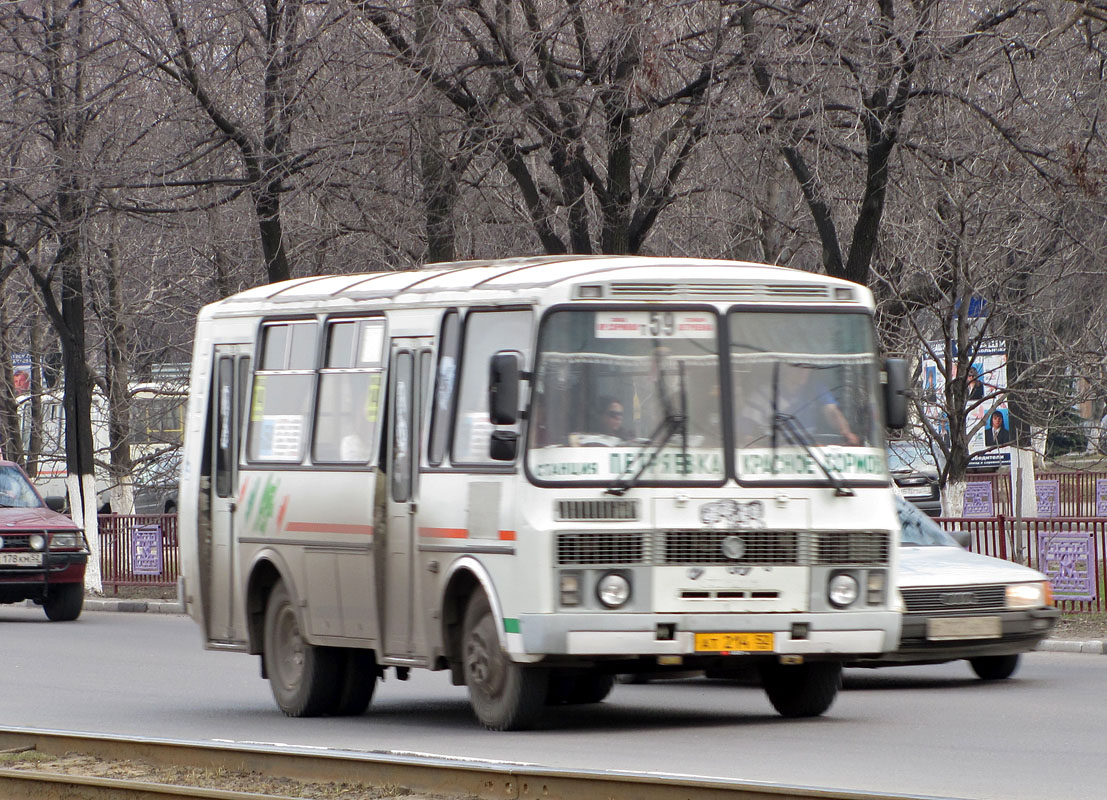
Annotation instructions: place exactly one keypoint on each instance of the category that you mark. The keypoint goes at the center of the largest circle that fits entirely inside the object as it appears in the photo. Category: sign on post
(146, 550)
(1067, 559)
(1049, 498)
(978, 499)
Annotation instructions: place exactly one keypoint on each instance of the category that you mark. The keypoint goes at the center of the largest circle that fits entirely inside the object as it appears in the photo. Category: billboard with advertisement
(986, 412)
(21, 372)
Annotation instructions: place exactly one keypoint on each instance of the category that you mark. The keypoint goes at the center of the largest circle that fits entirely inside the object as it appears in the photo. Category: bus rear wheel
(801, 690)
(303, 677)
(505, 696)
(358, 675)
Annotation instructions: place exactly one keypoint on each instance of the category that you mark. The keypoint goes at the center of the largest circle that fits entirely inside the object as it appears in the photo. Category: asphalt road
(931, 731)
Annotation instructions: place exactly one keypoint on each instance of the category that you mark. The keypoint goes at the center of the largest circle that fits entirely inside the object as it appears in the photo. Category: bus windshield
(627, 395)
(803, 386)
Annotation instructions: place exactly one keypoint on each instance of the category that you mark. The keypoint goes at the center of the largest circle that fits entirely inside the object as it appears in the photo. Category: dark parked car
(915, 472)
(43, 554)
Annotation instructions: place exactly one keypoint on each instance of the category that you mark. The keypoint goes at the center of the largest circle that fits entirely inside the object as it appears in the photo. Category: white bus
(538, 474)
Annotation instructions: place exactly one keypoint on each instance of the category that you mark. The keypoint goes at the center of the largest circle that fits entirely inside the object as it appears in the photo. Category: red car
(43, 554)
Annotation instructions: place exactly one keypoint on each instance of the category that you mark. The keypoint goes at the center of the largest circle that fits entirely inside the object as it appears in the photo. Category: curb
(147, 606)
(1095, 647)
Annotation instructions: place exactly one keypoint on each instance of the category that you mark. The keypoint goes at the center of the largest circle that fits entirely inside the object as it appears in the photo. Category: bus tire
(567, 689)
(801, 690)
(994, 668)
(64, 602)
(357, 681)
(303, 677)
(505, 696)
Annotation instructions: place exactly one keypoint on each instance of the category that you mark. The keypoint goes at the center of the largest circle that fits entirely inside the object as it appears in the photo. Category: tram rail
(420, 774)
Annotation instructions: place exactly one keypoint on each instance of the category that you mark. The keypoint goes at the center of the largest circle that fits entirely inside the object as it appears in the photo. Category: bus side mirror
(895, 392)
(504, 445)
(503, 388)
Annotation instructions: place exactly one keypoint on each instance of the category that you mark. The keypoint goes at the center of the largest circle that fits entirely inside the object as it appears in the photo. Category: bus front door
(230, 383)
(409, 383)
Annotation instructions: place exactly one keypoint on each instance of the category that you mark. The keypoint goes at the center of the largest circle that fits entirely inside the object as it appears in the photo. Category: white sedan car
(959, 604)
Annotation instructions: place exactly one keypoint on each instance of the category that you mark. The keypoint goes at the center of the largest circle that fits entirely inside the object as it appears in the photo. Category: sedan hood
(15, 519)
(954, 566)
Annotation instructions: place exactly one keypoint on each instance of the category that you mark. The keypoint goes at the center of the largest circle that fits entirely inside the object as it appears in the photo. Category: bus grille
(952, 599)
(590, 510)
(707, 547)
(601, 548)
(710, 547)
(852, 547)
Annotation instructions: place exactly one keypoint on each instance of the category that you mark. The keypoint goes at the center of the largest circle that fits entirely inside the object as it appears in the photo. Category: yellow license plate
(734, 643)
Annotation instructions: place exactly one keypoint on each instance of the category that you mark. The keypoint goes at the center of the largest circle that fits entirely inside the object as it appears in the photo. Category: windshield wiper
(799, 435)
(672, 422)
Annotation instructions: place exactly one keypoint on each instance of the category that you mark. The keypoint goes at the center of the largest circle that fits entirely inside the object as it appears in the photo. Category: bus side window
(348, 406)
(444, 388)
(281, 393)
(486, 333)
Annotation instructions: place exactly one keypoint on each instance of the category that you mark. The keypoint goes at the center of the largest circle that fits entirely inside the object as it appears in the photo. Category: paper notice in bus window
(280, 437)
(372, 398)
(655, 325)
(257, 408)
(372, 344)
(478, 435)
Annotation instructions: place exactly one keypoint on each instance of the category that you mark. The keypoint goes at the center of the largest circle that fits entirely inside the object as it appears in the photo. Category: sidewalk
(1094, 647)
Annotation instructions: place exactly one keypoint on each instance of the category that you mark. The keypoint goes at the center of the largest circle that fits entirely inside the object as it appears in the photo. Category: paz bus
(538, 474)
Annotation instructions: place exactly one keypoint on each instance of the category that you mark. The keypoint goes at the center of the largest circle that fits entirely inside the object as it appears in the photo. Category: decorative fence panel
(139, 550)
(1072, 551)
(1076, 491)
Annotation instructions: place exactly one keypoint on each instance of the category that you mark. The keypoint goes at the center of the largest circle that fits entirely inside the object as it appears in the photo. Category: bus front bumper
(624, 635)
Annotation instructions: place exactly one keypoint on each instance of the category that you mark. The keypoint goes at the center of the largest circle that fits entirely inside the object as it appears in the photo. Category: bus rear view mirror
(503, 388)
(504, 445)
(895, 392)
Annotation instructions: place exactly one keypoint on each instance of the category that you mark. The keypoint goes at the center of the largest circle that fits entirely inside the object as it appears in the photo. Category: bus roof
(631, 278)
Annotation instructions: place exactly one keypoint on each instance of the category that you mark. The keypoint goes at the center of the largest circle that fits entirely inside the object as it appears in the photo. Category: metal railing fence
(138, 550)
(1072, 551)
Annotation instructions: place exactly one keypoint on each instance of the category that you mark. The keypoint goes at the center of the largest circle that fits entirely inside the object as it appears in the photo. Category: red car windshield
(15, 490)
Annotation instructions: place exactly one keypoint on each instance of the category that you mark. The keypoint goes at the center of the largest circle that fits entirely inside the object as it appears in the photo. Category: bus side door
(409, 383)
(230, 385)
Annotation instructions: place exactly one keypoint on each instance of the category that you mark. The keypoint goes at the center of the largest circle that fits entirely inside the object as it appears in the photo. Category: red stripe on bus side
(328, 527)
(444, 533)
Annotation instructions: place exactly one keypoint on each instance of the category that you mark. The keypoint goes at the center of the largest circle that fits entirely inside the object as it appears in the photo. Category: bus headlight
(1028, 595)
(842, 590)
(613, 590)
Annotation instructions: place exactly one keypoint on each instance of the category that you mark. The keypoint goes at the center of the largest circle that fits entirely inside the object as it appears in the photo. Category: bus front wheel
(505, 696)
(801, 690)
(303, 677)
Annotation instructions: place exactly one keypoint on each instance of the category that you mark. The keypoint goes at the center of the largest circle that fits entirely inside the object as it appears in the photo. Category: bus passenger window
(347, 409)
(281, 393)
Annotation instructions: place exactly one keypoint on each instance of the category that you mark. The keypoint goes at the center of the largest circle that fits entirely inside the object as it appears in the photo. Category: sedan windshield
(16, 490)
(919, 530)
(627, 396)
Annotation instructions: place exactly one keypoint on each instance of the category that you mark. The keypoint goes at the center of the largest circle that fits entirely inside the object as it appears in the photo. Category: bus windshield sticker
(654, 325)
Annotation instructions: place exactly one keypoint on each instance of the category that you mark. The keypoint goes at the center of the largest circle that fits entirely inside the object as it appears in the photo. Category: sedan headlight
(67, 541)
(1029, 595)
